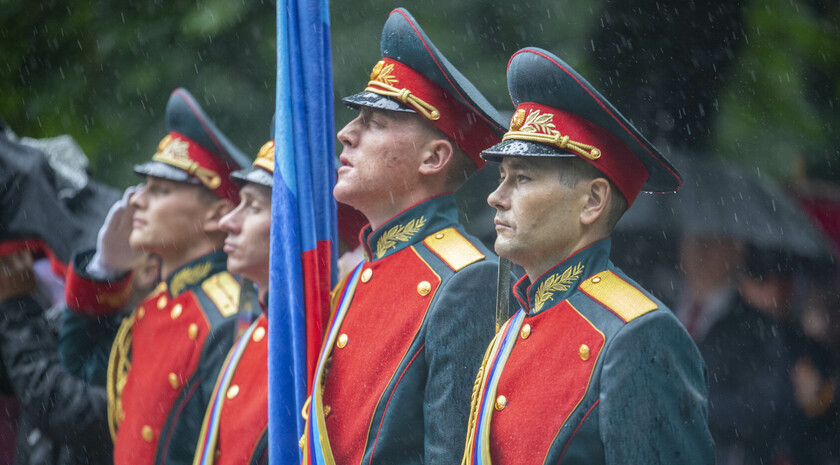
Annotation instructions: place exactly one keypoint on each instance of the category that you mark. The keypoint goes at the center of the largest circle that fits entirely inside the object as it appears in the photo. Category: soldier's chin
(138, 241)
(344, 192)
(505, 249)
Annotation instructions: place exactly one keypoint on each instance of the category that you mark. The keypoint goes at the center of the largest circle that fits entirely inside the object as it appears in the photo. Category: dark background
(753, 82)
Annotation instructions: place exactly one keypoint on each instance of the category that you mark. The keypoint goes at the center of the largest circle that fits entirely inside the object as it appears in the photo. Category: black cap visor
(254, 175)
(373, 100)
(522, 148)
(162, 170)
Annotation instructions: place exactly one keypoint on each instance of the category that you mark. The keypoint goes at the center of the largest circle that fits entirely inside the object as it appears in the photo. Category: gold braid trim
(209, 178)
(540, 128)
(119, 363)
(588, 151)
(405, 96)
(476, 391)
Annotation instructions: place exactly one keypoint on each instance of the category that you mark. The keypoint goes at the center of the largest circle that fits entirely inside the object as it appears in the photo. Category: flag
(303, 228)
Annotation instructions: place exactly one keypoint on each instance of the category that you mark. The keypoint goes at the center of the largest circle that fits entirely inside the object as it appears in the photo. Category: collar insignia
(556, 282)
(189, 277)
(399, 233)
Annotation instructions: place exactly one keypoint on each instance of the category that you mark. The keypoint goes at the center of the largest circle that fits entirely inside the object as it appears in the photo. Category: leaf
(399, 233)
(536, 122)
(556, 282)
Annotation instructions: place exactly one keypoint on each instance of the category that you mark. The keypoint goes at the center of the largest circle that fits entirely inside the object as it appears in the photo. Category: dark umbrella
(720, 199)
(37, 211)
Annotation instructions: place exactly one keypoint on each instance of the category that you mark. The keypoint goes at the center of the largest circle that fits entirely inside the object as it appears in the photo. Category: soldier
(168, 352)
(235, 425)
(411, 320)
(592, 369)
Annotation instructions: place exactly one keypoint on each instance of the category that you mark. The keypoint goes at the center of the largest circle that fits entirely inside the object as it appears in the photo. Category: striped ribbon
(480, 454)
(210, 427)
(316, 447)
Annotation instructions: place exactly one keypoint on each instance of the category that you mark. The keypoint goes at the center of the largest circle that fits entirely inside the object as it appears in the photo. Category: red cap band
(596, 145)
(183, 153)
(459, 123)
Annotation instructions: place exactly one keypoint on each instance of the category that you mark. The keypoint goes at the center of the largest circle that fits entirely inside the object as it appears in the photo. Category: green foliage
(102, 71)
(780, 107)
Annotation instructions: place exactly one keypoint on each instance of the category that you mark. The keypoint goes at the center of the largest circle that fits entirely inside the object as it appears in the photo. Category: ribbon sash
(478, 440)
(206, 452)
(315, 443)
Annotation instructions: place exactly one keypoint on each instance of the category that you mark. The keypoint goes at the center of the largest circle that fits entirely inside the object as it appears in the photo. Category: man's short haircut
(461, 167)
(206, 196)
(574, 170)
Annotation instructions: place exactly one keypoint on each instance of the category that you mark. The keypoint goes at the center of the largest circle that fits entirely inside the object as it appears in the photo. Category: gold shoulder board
(223, 290)
(618, 295)
(453, 248)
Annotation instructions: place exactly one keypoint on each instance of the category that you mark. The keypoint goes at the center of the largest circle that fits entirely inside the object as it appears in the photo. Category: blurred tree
(662, 64)
(103, 71)
(757, 83)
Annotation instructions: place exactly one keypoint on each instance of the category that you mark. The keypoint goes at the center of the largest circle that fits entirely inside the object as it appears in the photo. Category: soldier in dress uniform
(235, 428)
(167, 353)
(592, 369)
(412, 320)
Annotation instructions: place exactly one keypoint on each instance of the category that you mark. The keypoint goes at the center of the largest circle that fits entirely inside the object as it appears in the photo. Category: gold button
(176, 311)
(162, 302)
(525, 331)
(193, 331)
(366, 275)
(596, 280)
(501, 402)
(147, 433)
(233, 391)
(342, 341)
(439, 235)
(584, 352)
(424, 288)
(173, 381)
(140, 312)
(217, 454)
(327, 410)
(259, 334)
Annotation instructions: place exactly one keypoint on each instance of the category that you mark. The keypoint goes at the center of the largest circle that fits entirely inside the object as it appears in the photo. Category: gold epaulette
(621, 297)
(453, 248)
(223, 290)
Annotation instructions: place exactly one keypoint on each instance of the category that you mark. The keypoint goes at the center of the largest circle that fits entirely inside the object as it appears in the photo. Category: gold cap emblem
(377, 68)
(517, 119)
(265, 157)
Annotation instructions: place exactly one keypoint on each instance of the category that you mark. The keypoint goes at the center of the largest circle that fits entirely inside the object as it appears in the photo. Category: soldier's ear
(215, 212)
(437, 155)
(597, 199)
